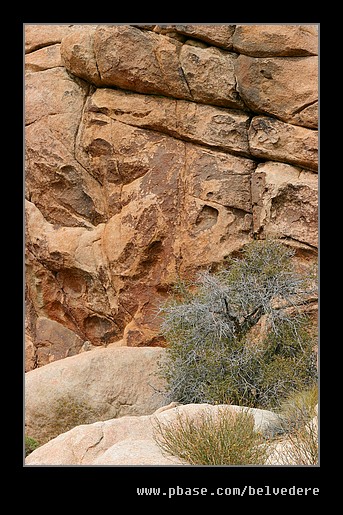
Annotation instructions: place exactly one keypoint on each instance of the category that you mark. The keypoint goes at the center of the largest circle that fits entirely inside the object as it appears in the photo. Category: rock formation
(129, 440)
(98, 385)
(152, 152)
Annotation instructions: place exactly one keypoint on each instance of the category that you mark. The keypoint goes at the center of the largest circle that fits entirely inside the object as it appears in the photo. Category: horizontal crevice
(301, 108)
(186, 139)
(39, 46)
(307, 245)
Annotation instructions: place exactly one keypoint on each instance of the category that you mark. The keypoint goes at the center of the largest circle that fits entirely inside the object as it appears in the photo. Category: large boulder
(97, 385)
(129, 440)
(55, 182)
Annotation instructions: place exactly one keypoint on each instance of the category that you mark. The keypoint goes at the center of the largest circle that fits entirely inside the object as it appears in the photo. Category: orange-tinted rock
(208, 125)
(43, 59)
(143, 61)
(210, 75)
(145, 150)
(285, 203)
(39, 36)
(285, 87)
(54, 341)
(276, 40)
(272, 139)
(217, 35)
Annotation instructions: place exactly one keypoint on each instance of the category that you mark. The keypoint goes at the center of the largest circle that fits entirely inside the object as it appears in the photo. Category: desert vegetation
(241, 336)
(224, 439)
(30, 445)
(213, 354)
(298, 423)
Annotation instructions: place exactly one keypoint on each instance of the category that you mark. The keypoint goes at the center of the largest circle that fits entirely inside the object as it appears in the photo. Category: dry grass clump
(224, 438)
(299, 425)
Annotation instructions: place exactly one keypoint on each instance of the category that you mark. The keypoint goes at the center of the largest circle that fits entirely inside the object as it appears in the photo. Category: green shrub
(210, 356)
(30, 445)
(213, 439)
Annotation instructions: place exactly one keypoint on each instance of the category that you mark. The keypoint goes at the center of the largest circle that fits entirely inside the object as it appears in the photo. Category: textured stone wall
(152, 152)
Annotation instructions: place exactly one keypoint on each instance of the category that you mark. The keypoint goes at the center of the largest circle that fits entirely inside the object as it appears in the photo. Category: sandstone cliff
(152, 152)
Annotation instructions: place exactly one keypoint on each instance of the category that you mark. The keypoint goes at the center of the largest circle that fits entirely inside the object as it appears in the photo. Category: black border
(125, 480)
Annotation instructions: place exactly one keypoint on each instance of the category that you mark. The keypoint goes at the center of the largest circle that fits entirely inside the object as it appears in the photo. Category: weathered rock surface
(128, 440)
(217, 35)
(272, 139)
(55, 182)
(276, 40)
(225, 129)
(285, 87)
(30, 353)
(146, 62)
(44, 59)
(285, 200)
(210, 75)
(54, 341)
(89, 271)
(39, 36)
(97, 385)
(151, 152)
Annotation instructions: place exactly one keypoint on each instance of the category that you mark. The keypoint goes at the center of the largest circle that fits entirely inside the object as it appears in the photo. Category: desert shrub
(298, 408)
(303, 448)
(299, 425)
(30, 445)
(225, 438)
(287, 362)
(210, 356)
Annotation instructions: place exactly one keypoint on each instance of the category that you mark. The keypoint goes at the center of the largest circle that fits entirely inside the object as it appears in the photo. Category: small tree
(210, 357)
